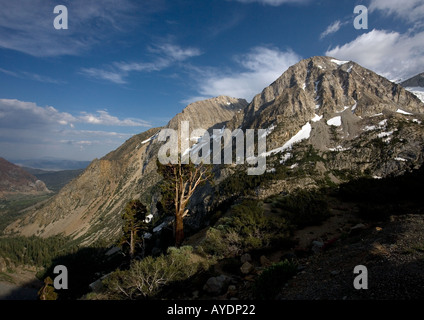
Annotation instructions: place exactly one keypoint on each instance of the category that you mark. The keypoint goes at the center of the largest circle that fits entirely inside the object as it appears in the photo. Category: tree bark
(179, 230)
(132, 245)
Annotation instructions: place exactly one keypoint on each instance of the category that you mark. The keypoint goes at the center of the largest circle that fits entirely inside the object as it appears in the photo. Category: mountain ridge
(14, 180)
(358, 122)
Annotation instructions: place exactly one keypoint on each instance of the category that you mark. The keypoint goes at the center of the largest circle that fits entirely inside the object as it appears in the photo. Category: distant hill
(15, 180)
(52, 164)
(416, 81)
(415, 85)
(54, 180)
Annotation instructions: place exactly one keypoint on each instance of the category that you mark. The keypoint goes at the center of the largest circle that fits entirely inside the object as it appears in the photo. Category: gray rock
(216, 285)
(317, 246)
(246, 268)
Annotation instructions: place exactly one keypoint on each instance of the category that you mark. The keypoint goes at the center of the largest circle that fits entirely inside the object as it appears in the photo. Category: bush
(303, 208)
(245, 229)
(147, 277)
(272, 279)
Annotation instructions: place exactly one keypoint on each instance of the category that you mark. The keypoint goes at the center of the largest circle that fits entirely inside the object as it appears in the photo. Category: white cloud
(332, 28)
(273, 2)
(104, 118)
(391, 54)
(259, 68)
(408, 10)
(28, 130)
(20, 114)
(165, 55)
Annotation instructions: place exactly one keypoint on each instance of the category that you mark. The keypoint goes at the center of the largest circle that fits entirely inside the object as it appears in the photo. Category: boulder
(216, 285)
(246, 268)
(264, 261)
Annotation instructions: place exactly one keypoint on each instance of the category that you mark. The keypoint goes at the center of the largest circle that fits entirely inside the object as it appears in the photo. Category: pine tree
(134, 217)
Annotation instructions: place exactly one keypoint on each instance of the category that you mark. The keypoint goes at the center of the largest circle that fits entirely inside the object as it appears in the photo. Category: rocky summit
(327, 121)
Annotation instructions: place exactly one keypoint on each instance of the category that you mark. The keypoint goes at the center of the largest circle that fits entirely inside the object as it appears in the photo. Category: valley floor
(21, 284)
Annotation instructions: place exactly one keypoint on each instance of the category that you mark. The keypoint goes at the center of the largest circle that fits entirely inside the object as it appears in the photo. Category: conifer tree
(134, 217)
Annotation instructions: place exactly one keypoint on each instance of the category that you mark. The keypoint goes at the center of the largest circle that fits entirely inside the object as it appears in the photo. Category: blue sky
(125, 66)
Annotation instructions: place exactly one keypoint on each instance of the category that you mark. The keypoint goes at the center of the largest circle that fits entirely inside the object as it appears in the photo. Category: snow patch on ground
(336, 121)
(316, 118)
(303, 134)
(339, 62)
(385, 134)
(418, 91)
(382, 123)
(150, 139)
(403, 112)
(370, 128)
(338, 148)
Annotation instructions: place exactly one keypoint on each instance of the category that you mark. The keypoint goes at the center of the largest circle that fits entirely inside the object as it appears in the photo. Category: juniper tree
(179, 183)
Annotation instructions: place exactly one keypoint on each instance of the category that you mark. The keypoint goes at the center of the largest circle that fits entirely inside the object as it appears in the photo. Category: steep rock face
(328, 120)
(15, 180)
(325, 86)
(89, 207)
(210, 113)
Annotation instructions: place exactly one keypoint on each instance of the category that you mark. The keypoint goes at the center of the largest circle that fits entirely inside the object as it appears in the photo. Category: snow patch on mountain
(336, 121)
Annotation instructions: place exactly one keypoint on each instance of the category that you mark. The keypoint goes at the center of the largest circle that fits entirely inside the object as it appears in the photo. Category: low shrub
(146, 278)
(271, 280)
(247, 228)
(303, 208)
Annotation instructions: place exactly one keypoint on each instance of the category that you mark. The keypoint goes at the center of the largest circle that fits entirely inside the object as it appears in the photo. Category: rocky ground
(392, 252)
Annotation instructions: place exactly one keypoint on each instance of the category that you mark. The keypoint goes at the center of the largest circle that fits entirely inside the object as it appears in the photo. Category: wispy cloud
(164, 56)
(411, 11)
(390, 54)
(31, 76)
(332, 28)
(27, 25)
(257, 69)
(273, 2)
